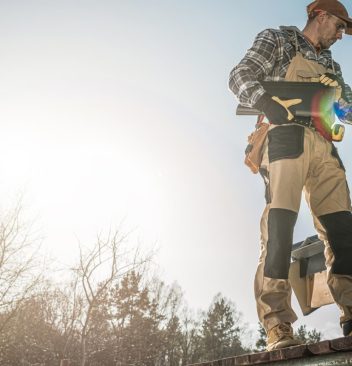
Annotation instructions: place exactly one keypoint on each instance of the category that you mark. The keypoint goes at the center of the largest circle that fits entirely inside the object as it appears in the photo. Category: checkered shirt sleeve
(260, 63)
(268, 59)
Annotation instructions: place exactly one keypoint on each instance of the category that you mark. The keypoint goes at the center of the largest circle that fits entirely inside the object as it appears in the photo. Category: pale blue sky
(120, 109)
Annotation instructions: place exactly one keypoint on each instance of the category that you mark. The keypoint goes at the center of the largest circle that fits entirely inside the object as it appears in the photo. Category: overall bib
(296, 159)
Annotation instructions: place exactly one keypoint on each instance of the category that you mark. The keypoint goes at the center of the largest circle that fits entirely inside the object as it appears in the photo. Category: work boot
(347, 328)
(281, 336)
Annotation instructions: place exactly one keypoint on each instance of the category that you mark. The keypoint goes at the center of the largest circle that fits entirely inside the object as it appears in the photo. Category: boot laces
(282, 330)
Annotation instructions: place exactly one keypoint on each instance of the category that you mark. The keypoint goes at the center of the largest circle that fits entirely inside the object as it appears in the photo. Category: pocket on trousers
(285, 142)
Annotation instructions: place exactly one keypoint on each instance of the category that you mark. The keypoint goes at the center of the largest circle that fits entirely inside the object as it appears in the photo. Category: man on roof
(298, 156)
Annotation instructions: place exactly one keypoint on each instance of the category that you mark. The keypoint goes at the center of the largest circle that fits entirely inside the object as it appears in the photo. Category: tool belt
(255, 147)
(305, 121)
(335, 134)
(256, 140)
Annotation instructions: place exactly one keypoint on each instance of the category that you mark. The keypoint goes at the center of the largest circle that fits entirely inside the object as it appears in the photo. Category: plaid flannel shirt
(268, 59)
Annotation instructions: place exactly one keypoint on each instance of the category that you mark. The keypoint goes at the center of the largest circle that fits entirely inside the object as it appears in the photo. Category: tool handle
(246, 111)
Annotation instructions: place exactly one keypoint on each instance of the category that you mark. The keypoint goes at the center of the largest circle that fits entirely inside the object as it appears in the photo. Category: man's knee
(281, 223)
(338, 228)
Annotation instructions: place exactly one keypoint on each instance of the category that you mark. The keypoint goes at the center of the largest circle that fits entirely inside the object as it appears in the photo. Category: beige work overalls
(319, 174)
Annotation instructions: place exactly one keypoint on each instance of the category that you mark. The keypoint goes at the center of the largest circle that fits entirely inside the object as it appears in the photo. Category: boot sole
(284, 344)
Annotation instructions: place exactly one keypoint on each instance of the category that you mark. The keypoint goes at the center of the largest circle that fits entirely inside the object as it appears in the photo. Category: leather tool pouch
(254, 150)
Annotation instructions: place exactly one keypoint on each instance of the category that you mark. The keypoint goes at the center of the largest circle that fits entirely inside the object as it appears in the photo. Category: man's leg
(284, 169)
(339, 285)
(338, 227)
(272, 288)
(328, 197)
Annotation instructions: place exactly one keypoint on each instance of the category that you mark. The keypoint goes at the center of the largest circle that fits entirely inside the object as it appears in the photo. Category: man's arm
(346, 89)
(343, 107)
(256, 65)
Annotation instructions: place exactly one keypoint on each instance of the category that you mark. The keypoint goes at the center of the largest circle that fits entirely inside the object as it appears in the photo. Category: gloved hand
(343, 111)
(329, 79)
(275, 109)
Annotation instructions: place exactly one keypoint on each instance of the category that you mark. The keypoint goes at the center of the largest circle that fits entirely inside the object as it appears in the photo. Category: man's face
(331, 29)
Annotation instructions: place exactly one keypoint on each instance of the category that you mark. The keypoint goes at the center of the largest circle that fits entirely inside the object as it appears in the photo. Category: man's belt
(304, 121)
(317, 99)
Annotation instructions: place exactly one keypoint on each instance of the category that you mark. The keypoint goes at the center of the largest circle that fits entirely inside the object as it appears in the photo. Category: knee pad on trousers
(338, 226)
(280, 235)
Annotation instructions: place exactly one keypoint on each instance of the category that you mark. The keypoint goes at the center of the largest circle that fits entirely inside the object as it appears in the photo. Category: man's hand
(343, 111)
(276, 110)
(287, 104)
(329, 79)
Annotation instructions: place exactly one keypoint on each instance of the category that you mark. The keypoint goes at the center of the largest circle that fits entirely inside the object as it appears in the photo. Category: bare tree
(62, 311)
(68, 314)
(107, 261)
(20, 270)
